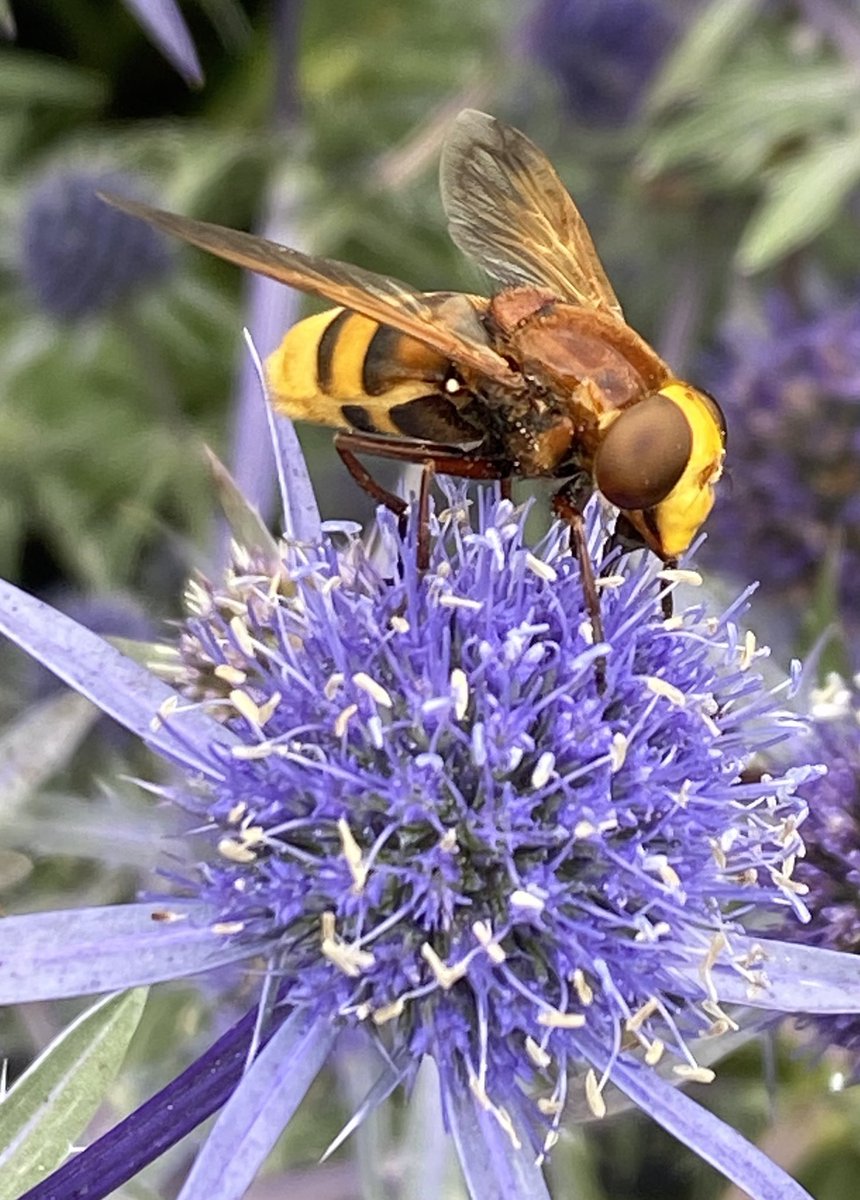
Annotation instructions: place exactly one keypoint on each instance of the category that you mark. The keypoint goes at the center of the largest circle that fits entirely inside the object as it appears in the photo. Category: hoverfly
(545, 379)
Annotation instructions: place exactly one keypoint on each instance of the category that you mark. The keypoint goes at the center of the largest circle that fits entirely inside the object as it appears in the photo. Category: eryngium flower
(831, 867)
(422, 809)
(790, 386)
(602, 53)
(79, 256)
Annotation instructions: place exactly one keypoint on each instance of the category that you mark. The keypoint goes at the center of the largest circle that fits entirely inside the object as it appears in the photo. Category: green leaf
(34, 79)
(38, 743)
(246, 524)
(53, 1102)
(7, 19)
(702, 51)
(803, 198)
(761, 105)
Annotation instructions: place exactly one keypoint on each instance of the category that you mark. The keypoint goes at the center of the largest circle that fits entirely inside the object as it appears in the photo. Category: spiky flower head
(458, 838)
(602, 53)
(831, 866)
(78, 255)
(790, 385)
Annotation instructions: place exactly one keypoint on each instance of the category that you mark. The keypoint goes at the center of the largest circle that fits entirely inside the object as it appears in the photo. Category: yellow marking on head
(682, 513)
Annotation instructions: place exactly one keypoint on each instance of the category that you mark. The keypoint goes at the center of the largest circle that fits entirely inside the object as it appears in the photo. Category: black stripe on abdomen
(326, 350)
(432, 419)
(357, 416)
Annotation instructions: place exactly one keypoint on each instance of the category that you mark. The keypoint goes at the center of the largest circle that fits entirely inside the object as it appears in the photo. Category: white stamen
(583, 988)
(267, 710)
(349, 959)
(681, 575)
(609, 581)
(236, 813)
(446, 976)
(389, 1012)
(618, 752)
(373, 689)
(528, 900)
(501, 1115)
(399, 624)
(654, 1052)
(593, 1095)
(661, 688)
(747, 653)
(242, 635)
(343, 719)
(542, 569)
(235, 851)
(374, 728)
(449, 601)
(448, 841)
(543, 770)
(694, 1074)
(352, 854)
(484, 935)
(642, 1014)
(460, 692)
(537, 1054)
(245, 707)
(555, 1019)
(230, 674)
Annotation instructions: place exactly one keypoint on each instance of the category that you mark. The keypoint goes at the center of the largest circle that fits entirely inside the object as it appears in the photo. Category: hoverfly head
(658, 462)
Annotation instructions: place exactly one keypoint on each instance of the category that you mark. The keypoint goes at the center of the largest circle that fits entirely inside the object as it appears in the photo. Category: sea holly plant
(418, 801)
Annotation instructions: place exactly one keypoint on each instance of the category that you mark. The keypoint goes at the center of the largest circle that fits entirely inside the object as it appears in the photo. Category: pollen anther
(373, 689)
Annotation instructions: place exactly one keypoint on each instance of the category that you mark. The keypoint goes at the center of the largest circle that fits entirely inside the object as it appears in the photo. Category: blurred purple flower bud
(78, 255)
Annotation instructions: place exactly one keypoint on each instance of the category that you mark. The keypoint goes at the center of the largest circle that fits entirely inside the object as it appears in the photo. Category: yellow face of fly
(670, 526)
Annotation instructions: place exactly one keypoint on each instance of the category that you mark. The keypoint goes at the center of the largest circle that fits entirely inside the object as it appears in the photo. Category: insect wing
(376, 296)
(508, 209)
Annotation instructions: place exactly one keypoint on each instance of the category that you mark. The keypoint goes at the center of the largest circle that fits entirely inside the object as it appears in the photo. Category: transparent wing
(508, 209)
(376, 296)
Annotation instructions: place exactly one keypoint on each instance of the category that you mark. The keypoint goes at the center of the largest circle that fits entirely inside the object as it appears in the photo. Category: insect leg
(435, 459)
(505, 485)
(427, 474)
(564, 506)
(448, 460)
(667, 599)
(365, 480)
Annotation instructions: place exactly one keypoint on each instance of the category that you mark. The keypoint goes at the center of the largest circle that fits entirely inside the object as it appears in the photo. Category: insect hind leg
(365, 480)
(435, 459)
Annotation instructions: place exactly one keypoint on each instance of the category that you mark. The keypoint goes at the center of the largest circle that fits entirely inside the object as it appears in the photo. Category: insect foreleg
(565, 507)
(667, 603)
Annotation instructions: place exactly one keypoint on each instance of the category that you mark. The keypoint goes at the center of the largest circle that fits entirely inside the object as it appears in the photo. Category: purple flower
(415, 803)
(831, 867)
(790, 387)
(79, 257)
(602, 53)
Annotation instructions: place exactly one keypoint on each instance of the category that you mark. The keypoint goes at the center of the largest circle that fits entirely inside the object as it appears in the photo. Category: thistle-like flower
(790, 384)
(78, 256)
(602, 53)
(419, 803)
(830, 869)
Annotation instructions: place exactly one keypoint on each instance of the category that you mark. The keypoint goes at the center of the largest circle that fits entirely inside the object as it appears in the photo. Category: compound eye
(643, 454)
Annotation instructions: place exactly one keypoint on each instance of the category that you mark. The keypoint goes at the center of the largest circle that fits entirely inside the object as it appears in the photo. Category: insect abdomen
(342, 369)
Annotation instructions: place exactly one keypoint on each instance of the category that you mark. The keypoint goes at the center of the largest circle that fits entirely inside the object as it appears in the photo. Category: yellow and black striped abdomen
(343, 369)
